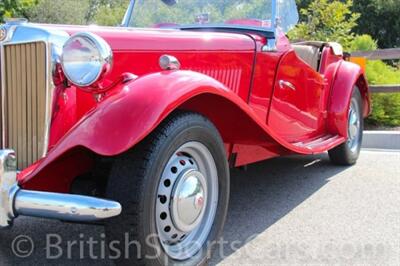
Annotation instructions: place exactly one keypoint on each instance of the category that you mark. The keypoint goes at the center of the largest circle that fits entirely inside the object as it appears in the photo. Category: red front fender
(134, 110)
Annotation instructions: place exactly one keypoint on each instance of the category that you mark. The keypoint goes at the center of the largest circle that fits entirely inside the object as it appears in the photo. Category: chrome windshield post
(128, 14)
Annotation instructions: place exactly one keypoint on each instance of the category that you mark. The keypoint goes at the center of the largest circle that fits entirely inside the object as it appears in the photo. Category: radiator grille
(25, 100)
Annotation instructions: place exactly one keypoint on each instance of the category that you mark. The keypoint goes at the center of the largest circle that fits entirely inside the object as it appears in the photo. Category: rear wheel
(348, 152)
(174, 190)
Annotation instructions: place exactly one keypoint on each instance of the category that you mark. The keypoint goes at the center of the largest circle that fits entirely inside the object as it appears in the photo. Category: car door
(297, 111)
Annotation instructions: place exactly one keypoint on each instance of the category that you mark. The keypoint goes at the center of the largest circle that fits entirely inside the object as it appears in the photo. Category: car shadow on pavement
(260, 196)
(266, 192)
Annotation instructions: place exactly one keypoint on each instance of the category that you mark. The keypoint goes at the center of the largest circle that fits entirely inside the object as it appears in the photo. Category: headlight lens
(85, 59)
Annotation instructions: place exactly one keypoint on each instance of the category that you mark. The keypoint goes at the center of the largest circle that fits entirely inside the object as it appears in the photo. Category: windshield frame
(274, 33)
(267, 30)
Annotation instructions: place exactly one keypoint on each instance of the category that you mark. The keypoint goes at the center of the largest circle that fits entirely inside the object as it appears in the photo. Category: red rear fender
(348, 76)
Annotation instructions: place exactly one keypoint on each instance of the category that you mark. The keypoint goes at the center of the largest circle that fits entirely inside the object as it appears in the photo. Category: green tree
(15, 8)
(385, 107)
(59, 12)
(78, 12)
(110, 12)
(381, 19)
(303, 4)
(327, 21)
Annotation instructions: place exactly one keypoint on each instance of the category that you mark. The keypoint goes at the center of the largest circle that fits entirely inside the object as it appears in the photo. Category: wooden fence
(384, 54)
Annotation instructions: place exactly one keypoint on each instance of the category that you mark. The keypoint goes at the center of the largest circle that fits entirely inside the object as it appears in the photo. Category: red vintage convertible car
(137, 126)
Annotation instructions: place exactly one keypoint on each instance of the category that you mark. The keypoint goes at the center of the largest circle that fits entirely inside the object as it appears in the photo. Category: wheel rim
(187, 200)
(354, 127)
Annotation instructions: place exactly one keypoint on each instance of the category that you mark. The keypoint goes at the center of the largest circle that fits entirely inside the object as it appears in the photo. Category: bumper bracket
(15, 201)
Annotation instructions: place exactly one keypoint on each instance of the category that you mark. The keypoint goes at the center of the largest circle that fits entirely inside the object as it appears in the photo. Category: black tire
(133, 182)
(344, 154)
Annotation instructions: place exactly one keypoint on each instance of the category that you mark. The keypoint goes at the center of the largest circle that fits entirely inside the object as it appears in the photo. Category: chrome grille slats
(25, 97)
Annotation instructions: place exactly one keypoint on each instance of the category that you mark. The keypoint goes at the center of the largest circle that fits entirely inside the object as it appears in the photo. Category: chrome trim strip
(49, 98)
(3, 117)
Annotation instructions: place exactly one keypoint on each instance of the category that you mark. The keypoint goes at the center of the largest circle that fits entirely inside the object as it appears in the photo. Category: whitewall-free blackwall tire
(348, 152)
(174, 190)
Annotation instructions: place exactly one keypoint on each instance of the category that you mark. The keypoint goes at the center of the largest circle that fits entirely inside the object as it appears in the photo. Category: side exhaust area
(75, 208)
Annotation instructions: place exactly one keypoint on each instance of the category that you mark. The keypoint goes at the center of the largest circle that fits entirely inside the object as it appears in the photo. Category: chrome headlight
(86, 57)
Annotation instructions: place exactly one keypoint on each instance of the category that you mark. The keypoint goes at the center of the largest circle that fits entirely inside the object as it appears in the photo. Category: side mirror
(169, 2)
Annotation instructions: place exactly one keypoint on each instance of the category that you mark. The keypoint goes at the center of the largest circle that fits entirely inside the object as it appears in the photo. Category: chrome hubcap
(354, 127)
(187, 201)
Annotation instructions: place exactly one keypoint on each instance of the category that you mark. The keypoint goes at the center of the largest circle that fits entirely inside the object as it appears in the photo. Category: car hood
(126, 39)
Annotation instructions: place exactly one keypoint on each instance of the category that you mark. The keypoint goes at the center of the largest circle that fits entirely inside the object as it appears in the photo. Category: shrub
(385, 107)
(386, 110)
(330, 21)
(363, 43)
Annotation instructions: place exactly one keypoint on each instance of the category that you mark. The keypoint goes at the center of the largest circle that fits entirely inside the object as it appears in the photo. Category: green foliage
(111, 14)
(386, 110)
(82, 12)
(385, 107)
(59, 12)
(303, 4)
(379, 18)
(363, 43)
(15, 8)
(327, 21)
(380, 73)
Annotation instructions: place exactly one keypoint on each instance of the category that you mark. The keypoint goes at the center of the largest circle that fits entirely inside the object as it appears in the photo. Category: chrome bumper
(15, 201)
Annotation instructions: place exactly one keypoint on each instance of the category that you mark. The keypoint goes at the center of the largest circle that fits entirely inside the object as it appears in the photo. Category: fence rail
(382, 54)
(385, 88)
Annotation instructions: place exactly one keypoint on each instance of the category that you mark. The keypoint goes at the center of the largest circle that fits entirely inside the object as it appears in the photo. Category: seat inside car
(309, 52)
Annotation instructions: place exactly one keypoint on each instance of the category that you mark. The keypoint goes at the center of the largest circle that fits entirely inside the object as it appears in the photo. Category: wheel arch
(348, 77)
(233, 123)
(105, 132)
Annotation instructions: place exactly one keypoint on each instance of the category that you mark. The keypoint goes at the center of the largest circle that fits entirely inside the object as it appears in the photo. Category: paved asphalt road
(296, 210)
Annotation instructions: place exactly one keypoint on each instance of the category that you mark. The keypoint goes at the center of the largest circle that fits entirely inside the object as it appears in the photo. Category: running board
(321, 143)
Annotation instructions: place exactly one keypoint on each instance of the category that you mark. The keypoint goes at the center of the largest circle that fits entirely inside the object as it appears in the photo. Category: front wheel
(348, 152)
(174, 190)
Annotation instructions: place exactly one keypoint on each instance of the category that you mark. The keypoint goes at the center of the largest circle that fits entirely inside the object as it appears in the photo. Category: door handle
(286, 84)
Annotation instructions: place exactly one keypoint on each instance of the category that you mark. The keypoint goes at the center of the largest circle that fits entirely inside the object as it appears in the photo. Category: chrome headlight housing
(86, 57)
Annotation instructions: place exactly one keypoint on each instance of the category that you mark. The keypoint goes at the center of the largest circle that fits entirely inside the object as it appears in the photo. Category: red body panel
(224, 76)
(296, 113)
(348, 76)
